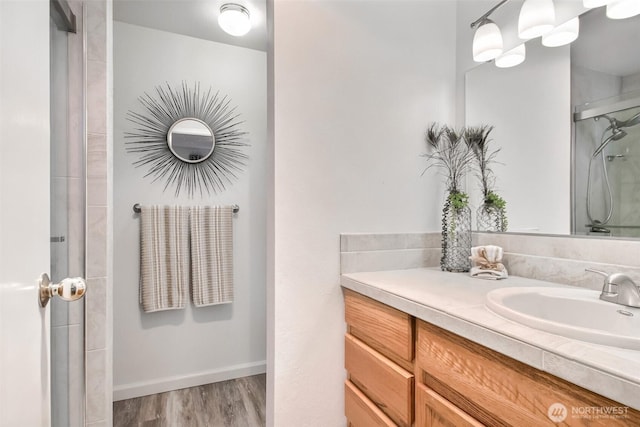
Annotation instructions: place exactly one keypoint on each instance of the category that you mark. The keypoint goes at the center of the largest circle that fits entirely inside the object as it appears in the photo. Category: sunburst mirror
(188, 138)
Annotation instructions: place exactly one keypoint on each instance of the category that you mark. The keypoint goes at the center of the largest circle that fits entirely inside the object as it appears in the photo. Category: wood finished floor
(234, 403)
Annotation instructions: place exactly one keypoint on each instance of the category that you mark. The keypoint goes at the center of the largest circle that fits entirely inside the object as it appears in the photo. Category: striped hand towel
(211, 255)
(164, 257)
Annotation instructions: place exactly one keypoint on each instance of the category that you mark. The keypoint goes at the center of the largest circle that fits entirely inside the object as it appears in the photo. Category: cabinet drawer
(360, 411)
(385, 383)
(499, 391)
(432, 410)
(384, 328)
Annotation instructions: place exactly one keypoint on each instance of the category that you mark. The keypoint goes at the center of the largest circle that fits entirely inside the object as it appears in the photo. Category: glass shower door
(607, 161)
(67, 214)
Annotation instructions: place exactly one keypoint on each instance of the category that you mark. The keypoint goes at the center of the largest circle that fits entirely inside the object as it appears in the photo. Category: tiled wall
(559, 259)
(376, 252)
(563, 259)
(97, 315)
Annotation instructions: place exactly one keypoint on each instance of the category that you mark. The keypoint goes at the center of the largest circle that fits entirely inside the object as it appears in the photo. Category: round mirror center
(191, 140)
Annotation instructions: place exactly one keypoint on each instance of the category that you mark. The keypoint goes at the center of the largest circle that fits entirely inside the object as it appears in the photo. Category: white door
(24, 212)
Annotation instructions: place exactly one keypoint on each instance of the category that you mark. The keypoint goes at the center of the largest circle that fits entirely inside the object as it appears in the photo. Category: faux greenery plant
(477, 138)
(450, 152)
(493, 199)
(458, 200)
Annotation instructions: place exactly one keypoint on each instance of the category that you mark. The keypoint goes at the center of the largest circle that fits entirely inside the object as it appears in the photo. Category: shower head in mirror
(616, 135)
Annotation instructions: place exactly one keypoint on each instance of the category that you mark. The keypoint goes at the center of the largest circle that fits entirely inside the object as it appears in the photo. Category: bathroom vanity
(422, 349)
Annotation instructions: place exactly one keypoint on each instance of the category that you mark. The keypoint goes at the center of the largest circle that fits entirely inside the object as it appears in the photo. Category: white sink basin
(571, 312)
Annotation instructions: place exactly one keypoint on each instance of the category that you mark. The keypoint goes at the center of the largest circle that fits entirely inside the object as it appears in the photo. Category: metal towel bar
(138, 209)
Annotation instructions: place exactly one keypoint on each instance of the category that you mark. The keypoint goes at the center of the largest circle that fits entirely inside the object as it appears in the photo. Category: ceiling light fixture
(234, 19)
(621, 9)
(512, 57)
(537, 17)
(562, 34)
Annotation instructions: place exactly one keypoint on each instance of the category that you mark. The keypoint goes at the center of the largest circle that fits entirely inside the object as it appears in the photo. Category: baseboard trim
(160, 385)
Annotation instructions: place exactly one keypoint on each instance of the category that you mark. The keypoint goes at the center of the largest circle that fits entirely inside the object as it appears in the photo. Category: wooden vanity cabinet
(379, 348)
(434, 410)
(488, 388)
(451, 381)
(361, 411)
(385, 329)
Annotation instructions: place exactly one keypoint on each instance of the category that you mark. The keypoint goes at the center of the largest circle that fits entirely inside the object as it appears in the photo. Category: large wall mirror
(568, 125)
(187, 137)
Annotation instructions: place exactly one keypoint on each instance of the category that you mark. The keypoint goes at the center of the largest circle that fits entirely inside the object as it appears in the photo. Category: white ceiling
(195, 18)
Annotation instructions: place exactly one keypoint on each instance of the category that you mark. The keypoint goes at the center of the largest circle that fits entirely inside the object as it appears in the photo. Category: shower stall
(606, 169)
(67, 212)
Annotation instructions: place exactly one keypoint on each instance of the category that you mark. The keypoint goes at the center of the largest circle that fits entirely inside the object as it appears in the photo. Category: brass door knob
(70, 289)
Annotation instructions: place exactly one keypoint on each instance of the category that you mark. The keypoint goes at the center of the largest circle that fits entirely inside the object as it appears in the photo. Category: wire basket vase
(491, 218)
(456, 238)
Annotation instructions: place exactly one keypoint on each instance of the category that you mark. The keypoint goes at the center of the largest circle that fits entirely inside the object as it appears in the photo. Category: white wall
(171, 349)
(355, 85)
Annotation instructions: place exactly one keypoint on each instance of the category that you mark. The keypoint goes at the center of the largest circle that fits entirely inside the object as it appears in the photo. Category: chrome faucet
(619, 289)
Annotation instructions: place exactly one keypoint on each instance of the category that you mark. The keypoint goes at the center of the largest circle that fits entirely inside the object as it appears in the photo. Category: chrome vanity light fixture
(487, 41)
(234, 19)
(562, 34)
(513, 57)
(537, 17)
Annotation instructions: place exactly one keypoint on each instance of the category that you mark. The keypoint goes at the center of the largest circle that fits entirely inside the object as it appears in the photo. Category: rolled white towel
(487, 263)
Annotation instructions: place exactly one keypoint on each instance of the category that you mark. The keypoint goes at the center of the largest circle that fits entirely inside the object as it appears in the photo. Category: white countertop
(455, 301)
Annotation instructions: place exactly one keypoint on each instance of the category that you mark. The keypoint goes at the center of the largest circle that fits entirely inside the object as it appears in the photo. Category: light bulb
(562, 34)
(621, 9)
(512, 57)
(537, 17)
(234, 19)
(487, 42)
